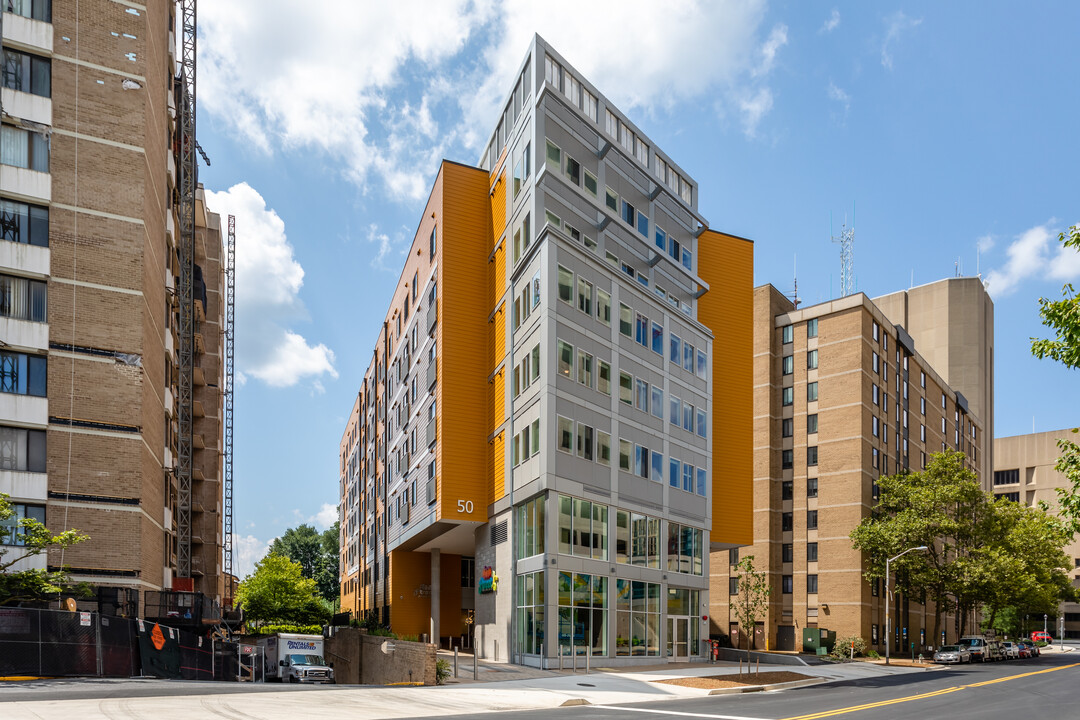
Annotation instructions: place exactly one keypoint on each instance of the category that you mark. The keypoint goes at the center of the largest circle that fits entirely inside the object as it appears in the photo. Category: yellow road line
(869, 706)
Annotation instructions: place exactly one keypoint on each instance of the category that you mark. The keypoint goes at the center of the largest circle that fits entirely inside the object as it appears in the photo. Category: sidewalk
(502, 687)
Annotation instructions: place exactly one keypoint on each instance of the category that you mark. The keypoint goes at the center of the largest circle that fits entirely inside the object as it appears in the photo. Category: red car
(1041, 635)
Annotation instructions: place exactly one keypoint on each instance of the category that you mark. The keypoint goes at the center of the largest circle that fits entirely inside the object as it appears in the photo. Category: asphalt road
(1043, 688)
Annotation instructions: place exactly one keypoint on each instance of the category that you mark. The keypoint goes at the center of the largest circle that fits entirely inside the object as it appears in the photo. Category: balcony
(27, 106)
(431, 432)
(32, 34)
(432, 316)
(24, 409)
(26, 184)
(30, 260)
(24, 333)
(432, 373)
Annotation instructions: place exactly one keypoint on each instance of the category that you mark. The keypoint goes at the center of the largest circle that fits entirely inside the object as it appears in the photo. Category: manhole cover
(585, 685)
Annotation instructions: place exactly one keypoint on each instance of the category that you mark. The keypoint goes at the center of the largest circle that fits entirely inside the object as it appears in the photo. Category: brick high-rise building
(88, 266)
(534, 456)
(842, 396)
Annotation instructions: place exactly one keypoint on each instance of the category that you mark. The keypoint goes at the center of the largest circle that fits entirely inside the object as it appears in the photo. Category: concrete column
(436, 591)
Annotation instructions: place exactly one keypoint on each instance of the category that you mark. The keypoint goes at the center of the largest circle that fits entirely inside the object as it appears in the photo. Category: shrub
(842, 649)
(289, 628)
(873, 654)
(442, 671)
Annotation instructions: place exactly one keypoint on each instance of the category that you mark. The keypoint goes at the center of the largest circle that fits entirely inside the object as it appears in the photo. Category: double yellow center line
(923, 696)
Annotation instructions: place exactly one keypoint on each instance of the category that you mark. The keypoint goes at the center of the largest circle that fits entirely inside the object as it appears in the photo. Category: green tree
(317, 554)
(1063, 317)
(942, 507)
(277, 592)
(752, 601)
(32, 539)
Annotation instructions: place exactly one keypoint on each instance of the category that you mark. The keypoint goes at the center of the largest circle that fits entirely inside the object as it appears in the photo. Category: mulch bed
(714, 682)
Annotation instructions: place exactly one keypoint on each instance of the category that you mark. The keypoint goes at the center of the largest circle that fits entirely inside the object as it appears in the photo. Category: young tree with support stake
(752, 600)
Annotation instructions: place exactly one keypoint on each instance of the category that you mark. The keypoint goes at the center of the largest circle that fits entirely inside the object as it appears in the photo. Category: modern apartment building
(1024, 472)
(534, 459)
(88, 266)
(842, 396)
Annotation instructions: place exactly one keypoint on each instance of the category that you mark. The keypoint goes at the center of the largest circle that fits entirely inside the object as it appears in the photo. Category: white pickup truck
(296, 658)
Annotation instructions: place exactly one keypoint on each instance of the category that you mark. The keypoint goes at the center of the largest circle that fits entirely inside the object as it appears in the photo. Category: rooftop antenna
(794, 294)
(846, 240)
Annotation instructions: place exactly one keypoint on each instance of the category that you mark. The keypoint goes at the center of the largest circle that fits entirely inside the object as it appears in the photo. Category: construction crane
(230, 339)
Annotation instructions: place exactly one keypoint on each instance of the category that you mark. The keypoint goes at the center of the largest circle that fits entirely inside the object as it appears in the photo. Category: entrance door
(678, 638)
(785, 637)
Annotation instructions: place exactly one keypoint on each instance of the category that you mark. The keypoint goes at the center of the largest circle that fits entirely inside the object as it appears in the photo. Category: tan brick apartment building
(842, 395)
(1024, 473)
(88, 259)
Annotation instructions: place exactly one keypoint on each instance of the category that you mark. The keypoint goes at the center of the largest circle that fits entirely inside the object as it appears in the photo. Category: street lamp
(888, 617)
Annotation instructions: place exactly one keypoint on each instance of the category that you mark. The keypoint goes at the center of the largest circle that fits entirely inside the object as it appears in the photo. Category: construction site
(116, 370)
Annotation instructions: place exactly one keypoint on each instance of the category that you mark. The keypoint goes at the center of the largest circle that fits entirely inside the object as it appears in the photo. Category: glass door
(678, 638)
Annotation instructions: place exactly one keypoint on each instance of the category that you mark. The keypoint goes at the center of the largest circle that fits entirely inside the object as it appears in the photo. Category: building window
(811, 392)
(787, 459)
(787, 490)
(566, 434)
(787, 427)
(811, 424)
(787, 396)
(876, 332)
(22, 450)
(22, 223)
(786, 522)
(1006, 477)
(641, 330)
(811, 328)
(530, 598)
(733, 586)
(603, 383)
(811, 519)
(33, 9)
(23, 374)
(922, 379)
(811, 487)
(10, 532)
(876, 363)
(626, 320)
(787, 334)
(685, 549)
(565, 353)
(811, 455)
(27, 73)
(811, 360)
(22, 299)
(637, 618)
(811, 584)
(584, 294)
(657, 339)
(641, 395)
(787, 586)
(626, 388)
(874, 634)
(788, 365)
(811, 552)
(583, 528)
(24, 149)
(603, 306)
(531, 527)
(787, 553)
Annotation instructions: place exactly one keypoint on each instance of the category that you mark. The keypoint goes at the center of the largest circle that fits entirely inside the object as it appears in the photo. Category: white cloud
(839, 95)
(896, 23)
(326, 517)
(776, 40)
(268, 283)
(753, 108)
(831, 23)
(985, 243)
(1034, 254)
(383, 91)
(247, 550)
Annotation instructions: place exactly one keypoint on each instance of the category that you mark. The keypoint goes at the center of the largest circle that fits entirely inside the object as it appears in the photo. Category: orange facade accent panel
(410, 610)
(498, 468)
(726, 263)
(464, 422)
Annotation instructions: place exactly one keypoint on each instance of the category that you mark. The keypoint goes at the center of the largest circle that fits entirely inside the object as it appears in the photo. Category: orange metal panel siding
(726, 263)
(498, 470)
(410, 614)
(463, 343)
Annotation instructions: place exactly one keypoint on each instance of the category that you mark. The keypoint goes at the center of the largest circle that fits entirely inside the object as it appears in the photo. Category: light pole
(1044, 622)
(888, 593)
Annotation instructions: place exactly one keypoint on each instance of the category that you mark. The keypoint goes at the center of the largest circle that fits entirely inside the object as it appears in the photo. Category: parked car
(1023, 650)
(1036, 651)
(950, 654)
(976, 644)
(1041, 635)
(1012, 650)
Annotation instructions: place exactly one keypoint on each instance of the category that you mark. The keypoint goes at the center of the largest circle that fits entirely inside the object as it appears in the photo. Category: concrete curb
(769, 688)
(574, 702)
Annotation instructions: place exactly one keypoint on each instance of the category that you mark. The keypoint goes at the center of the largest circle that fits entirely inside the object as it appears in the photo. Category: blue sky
(948, 127)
